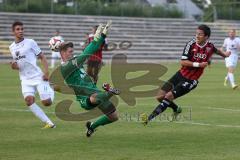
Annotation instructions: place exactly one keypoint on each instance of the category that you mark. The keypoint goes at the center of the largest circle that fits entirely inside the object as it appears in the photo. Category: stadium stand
(151, 38)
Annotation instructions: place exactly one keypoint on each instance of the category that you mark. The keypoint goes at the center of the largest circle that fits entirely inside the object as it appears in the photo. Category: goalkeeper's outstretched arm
(90, 49)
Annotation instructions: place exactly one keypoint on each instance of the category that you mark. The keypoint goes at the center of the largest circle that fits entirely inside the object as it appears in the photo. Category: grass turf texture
(213, 133)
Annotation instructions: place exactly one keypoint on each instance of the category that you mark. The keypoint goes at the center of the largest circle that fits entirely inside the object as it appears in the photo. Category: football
(54, 43)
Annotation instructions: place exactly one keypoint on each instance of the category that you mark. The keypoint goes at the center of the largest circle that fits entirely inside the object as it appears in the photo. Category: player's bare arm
(238, 47)
(222, 53)
(188, 63)
(14, 65)
(223, 49)
(45, 66)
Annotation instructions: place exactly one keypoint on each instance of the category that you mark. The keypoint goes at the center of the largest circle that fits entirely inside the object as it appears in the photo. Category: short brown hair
(65, 45)
(17, 23)
(205, 29)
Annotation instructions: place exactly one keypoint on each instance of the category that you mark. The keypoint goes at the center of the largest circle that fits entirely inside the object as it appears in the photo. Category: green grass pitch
(212, 133)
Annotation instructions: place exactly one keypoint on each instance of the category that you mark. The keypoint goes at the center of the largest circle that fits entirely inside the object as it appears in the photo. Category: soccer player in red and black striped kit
(94, 62)
(195, 58)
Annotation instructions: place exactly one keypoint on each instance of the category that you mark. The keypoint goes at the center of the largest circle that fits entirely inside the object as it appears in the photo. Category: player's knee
(93, 98)
(47, 102)
(113, 116)
(115, 119)
(230, 70)
(169, 96)
(160, 98)
(29, 100)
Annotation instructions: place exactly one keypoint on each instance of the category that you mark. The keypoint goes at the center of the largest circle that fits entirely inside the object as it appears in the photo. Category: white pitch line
(211, 108)
(228, 126)
(196, 123)
(20, 110)
(180, 122)
(208, 124)
(224, 109)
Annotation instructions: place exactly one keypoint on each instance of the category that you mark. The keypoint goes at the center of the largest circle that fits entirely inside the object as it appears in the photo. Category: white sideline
(224, 109)
(180, 122)
(20, 110)
(214, 125)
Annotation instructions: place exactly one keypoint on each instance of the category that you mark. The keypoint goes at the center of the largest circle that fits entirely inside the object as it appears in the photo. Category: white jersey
(232, 45)
(25, 54)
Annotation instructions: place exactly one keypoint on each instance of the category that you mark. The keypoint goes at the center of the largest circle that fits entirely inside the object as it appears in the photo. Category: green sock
(103, 120)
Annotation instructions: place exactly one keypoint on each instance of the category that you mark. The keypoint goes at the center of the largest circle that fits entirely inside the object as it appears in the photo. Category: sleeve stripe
(184, 57)
(187, 48)
(38, 53)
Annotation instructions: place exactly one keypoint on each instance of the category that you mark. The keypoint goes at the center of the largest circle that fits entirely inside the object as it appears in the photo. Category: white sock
(38, 112)
(226, 78)
(52, 62)
(52, 95)
(231, 79)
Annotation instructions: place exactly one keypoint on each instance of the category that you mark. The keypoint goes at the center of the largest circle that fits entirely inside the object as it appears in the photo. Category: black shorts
(179, 85)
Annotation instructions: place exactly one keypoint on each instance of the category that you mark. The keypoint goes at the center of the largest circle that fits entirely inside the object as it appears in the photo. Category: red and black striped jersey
(196, 53)
(97, 56)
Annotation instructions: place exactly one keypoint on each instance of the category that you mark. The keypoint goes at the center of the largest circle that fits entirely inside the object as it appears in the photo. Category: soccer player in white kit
(25, 53)
(231, 44)
(56, 55)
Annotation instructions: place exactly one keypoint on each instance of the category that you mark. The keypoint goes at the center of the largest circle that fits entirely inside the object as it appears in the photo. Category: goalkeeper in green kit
(88, 95)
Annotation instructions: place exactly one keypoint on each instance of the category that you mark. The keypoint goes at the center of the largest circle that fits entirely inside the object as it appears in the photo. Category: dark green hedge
(90, 7)
(227, 9)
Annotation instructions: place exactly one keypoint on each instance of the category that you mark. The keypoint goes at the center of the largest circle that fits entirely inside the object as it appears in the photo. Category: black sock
(159, 109)
(173, 106)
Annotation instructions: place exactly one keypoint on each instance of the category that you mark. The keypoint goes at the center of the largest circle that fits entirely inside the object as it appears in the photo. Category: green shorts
(107, 107)
(85, 103)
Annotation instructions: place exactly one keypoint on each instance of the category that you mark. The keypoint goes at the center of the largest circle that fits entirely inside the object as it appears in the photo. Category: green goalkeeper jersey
(74, 73)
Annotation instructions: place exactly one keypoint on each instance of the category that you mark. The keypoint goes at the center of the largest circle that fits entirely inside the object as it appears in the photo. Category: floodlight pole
(214, 13)
(51, 6)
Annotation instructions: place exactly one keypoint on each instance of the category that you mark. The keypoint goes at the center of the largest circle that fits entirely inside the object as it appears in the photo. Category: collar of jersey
(202, 45)
(19, 41)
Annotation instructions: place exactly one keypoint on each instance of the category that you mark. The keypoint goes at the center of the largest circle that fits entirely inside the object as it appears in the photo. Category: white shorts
(232, 60)
(44, 90)
(56, 55)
